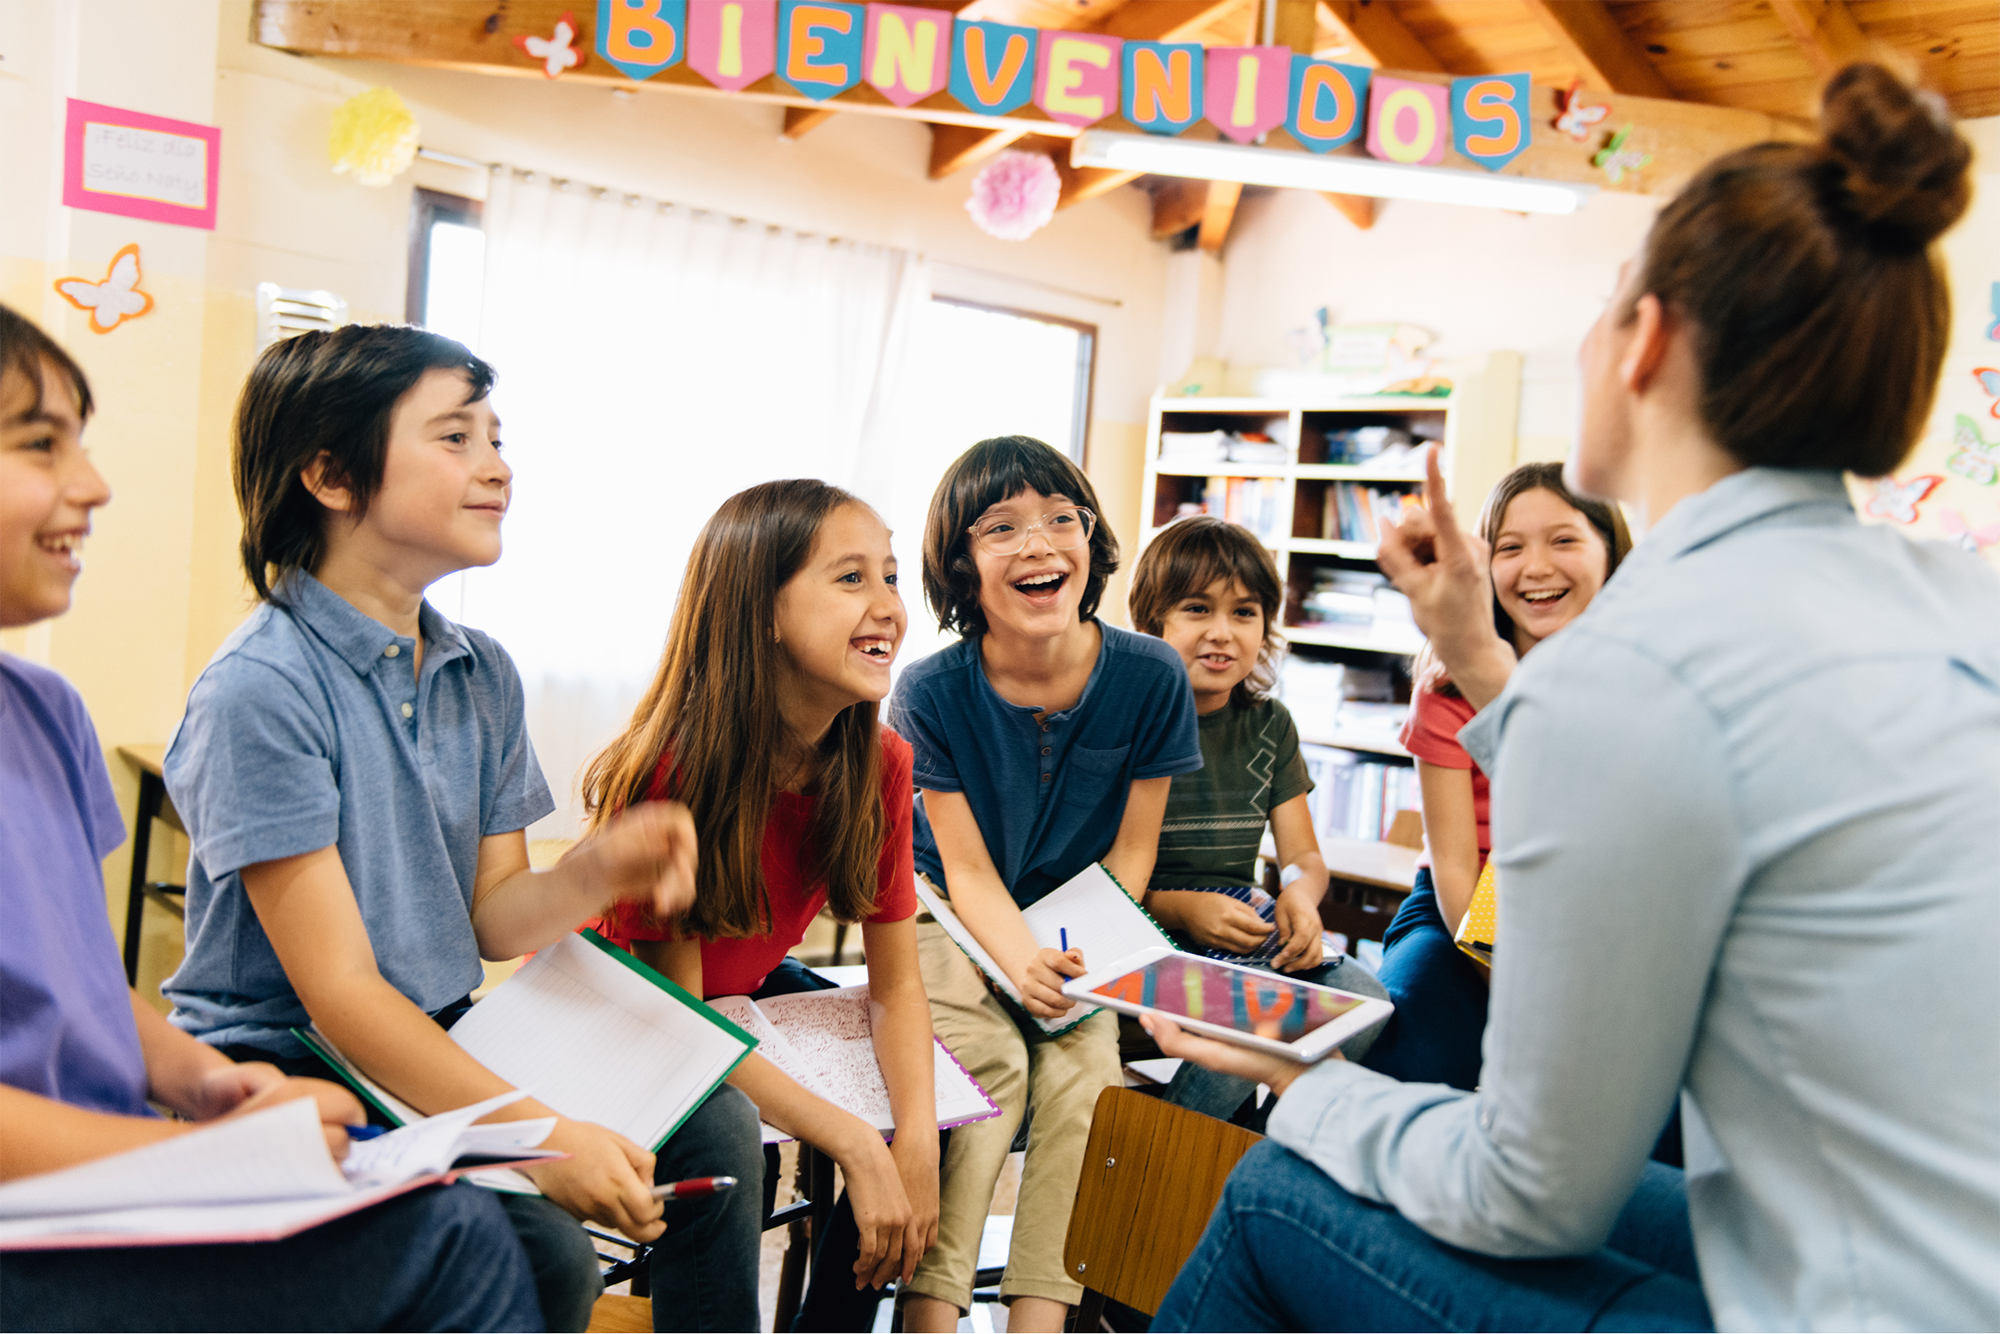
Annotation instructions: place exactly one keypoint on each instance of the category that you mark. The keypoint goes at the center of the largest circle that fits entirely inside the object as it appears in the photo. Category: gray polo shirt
(308, 729)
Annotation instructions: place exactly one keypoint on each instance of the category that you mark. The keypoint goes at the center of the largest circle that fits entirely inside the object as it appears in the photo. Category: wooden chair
(1152, 1174)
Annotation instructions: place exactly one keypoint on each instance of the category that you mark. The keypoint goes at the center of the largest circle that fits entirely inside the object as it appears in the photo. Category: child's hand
(1220, 922)
(1041, 983)
(607, 1179)
(882, 1214)
(1223, 1057)
(338, 1109)
(917, 1167)
(646, 855)
(1299, 928)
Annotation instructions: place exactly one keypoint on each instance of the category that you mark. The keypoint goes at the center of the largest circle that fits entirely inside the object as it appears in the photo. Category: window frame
(428, 207)
(1086, 368)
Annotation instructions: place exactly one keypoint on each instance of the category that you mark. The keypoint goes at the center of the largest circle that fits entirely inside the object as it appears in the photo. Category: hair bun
(1905, 163)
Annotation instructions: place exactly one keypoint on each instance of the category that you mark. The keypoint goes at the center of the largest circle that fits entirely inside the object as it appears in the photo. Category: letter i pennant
(1247, 88)
(733, 43)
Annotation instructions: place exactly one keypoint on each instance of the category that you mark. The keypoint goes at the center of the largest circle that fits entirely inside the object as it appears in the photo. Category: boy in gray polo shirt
(355, 773)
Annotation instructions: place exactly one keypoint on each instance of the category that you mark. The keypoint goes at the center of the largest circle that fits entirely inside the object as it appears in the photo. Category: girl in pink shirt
(1552, 552)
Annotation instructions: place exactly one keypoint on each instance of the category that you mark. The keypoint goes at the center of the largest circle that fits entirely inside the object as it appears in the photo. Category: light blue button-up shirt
(1746, 817)
(307, 730)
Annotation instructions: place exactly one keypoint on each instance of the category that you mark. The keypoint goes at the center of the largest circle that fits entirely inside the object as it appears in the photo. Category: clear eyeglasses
(1063, 529)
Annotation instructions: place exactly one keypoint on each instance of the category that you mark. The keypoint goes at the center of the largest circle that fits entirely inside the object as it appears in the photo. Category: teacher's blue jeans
(1289, 1249)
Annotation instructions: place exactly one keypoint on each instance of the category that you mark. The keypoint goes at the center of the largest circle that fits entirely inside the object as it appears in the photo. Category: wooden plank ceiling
(1768, 56)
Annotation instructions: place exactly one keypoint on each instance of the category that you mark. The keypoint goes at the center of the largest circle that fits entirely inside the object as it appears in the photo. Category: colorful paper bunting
(1076, 77)
(1326, 103)
(908, 52)
(733, 44)
(1162, 85)
(642, 37)
(1489, 118)
(1406, 121)
(820, 46)
(1247, 89)
(993, 66)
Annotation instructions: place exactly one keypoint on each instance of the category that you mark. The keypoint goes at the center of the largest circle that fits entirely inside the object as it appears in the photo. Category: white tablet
(1252, 1007)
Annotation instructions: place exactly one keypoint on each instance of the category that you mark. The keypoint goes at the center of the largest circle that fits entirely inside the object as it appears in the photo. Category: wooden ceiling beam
(1164, 20)
(1178, 204)
(1824, 31)
(1218, 211)
(1610, 59)
(801, 121)
(1357, 209)
(1378, 37)
(956, 147)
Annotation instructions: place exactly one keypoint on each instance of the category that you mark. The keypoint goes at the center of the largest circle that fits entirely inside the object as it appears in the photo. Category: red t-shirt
(738, 967)
(1431, 734)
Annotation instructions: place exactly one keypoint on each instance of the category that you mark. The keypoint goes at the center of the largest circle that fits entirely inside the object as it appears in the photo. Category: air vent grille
(284, 311)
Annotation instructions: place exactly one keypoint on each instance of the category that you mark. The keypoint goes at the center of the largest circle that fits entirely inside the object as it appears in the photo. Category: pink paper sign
(1246, 89)
(1076, 81)
(908, 55)
(1407, 122)
(733, 43)
(140, 166)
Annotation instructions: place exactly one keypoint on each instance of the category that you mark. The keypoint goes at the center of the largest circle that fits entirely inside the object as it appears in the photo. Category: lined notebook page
(597, 1041)
(1102, 920)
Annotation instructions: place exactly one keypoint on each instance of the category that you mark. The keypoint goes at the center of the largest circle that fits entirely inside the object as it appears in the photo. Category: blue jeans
(442, 1258)
(1289, 1249)
(1440, 997)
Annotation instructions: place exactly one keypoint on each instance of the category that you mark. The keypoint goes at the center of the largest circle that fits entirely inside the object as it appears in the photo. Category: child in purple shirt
(81, 1055)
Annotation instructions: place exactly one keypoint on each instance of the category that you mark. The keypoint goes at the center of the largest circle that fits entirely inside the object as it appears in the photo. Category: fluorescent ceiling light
(1209, 161)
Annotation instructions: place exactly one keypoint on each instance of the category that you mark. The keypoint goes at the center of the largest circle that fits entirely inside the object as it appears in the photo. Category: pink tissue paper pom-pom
(1014, 195)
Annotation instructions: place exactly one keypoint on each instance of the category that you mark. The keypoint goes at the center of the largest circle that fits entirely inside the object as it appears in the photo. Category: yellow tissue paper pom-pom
(374, 136)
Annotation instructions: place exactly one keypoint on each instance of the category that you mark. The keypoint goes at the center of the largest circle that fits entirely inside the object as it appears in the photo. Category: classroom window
(986, 370)
(447, 265)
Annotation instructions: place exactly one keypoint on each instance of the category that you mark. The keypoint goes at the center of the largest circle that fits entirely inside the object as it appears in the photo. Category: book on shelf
(1358, 798)
(1352, 512)
(1254, 502)
(1191, 447)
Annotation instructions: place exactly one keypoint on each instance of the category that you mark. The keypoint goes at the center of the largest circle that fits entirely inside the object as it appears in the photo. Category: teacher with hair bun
(1745, 833)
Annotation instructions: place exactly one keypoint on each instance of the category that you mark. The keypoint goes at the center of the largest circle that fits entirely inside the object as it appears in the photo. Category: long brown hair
(713, 709)
(1819, 314)
(1429, 673)
(1189, 556)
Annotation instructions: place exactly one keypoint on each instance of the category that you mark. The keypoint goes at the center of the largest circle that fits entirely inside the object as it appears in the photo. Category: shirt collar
(358, 638)
(1740, 500)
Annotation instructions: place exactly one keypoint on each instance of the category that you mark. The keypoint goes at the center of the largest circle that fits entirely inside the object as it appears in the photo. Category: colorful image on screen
(1249, 1002)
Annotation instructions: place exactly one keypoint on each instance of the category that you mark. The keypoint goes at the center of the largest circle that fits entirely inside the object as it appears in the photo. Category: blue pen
(366, 1132)
(1065, 938)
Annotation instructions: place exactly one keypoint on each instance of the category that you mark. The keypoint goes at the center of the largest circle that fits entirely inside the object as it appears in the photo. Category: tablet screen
(1262, 1003)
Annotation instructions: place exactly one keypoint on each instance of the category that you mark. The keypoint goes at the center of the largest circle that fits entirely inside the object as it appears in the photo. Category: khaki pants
(1059, 1078)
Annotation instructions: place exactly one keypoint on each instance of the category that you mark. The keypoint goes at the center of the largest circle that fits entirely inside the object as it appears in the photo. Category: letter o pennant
(1489, 118)
(1328, 103)
(1407, 121)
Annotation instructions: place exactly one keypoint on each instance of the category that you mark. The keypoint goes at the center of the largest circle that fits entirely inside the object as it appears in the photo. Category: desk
(153, 805)
(1366, 883)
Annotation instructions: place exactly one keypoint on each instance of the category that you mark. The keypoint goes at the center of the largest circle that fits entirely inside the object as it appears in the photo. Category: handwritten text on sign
(139, 165)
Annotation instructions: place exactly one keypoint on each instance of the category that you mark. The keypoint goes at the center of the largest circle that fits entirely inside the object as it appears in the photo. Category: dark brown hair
(24, 347)
(325, 394)
(980, 478)
(1819, 315)
(713, 711)
(1185, 559)
(1429, 673)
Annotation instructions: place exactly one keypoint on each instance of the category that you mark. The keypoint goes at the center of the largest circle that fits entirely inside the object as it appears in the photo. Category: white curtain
(654, 360)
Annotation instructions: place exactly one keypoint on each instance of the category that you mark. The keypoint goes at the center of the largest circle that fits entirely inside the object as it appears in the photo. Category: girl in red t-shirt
(1552, 552)
(762, 720)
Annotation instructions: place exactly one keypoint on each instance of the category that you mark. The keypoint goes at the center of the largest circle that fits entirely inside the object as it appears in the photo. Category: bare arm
(988, 910)
(1451, 831)
(1298, 919)
(307, 908)
(900, 1017)
(1137, 846)
(881, 1210)
(646, 855)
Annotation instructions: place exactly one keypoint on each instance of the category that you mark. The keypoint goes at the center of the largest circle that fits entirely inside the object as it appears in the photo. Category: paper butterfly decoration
(1975, 540)
(1899, 500)
(555, 53)
(113, 301)
(1616, 159)
(1975, 459)
(1577, 119)
(1993, 329)
(1989, 380)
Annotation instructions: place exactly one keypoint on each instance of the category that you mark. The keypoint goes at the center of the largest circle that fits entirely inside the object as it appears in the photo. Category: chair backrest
(1151, 1176)
(1406, 830)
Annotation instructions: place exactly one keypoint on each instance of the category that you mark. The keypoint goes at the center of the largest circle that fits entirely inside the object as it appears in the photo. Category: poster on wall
(140, 166)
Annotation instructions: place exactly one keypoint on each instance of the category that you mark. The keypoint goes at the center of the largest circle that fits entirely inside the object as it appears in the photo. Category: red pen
(693, 1187)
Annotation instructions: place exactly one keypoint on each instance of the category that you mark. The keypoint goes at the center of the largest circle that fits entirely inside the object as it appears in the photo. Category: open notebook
(260, 1177)
(1101, 918)
(593, 1033)
(824, 1040)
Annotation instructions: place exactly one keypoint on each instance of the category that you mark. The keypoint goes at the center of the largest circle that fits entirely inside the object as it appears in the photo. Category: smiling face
(1218, 632)
(840, 619)
(1037, 592)
(444, 489)
(1548, 563)
(47, 490)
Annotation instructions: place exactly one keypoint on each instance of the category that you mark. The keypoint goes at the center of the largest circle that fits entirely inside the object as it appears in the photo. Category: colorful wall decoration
(820, 46)
(1248, 89)
(1489, 118)
(993, 66)
(907, 54)
(1327, 103)
(1162, 85)
(1076, 77)
(642, 37)
(733, 44)
(1407, 121)
(140, 166)
(115, 300)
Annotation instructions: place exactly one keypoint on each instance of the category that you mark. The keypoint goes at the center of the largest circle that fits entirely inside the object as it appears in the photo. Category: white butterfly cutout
(1977, 459)
(1899, 500)
(556, 54)
(1972, 539)
(114, 300)
(1576, 118)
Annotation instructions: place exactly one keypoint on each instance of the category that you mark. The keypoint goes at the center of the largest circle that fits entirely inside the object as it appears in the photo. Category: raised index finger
(1438, 503)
